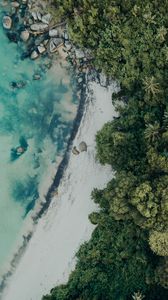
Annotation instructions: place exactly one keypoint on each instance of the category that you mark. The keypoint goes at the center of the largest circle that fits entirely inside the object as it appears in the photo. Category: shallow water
(42, 112)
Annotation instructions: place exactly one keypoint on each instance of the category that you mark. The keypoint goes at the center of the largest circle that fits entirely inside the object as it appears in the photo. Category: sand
(50, 255)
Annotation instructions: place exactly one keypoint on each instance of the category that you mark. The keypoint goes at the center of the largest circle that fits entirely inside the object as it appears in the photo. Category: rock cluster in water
(28, 21)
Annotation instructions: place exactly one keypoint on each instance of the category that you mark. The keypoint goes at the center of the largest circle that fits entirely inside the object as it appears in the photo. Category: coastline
(45, 198)
(54, 208)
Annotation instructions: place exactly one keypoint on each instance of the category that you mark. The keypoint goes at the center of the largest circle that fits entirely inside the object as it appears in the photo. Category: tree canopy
(127, 254)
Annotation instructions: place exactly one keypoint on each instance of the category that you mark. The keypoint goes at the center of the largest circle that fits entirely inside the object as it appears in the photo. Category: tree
(159, 243)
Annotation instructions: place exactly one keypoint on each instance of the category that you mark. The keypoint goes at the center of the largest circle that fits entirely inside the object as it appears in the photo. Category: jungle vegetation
(127, 256)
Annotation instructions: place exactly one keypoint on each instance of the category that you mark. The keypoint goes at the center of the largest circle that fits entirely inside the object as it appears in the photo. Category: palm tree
(152, 132)
(137, 296)
(165, 120)
(161, 33)
(151, 86)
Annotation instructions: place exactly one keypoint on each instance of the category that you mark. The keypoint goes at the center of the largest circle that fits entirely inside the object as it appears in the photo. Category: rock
(79, 54)
(45, 42)
(39, 16)
(46, 18)
(39, 27)
(82, 147)
(41, 49)
(103, 80)
(68, 46)
(54, 44)
(36, 77)
(53, 32)
(20, 84)
(7, 22)
(80, 79)
(15, 4)
(66, 37)
(25, 35)
(13, 36)
(34, 54)
(75, 150)
(34, 15)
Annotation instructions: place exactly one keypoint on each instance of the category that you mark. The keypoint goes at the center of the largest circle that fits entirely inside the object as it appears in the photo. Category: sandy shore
(50, 254)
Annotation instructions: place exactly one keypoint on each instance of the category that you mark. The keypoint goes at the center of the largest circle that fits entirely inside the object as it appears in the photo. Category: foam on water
(42, 112)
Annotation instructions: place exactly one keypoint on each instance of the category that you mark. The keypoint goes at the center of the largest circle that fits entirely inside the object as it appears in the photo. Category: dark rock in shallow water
(19, 150)
(13, 36)
(36, 77)
(17, 84)
(25, 55)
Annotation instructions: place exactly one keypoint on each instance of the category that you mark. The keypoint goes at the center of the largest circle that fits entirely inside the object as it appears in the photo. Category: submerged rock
(82, 146)
(18, 84)
(36, 77)
(7, 22)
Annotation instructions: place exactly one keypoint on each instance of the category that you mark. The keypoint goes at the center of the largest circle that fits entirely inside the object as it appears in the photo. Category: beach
(49, 256)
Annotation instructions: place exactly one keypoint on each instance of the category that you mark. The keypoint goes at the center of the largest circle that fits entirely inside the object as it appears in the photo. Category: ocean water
(41, 114)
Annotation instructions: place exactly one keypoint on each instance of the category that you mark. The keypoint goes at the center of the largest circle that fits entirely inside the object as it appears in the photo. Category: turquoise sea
(41, 114)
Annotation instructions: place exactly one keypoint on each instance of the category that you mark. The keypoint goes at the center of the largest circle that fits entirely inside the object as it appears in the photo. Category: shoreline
(81, 122)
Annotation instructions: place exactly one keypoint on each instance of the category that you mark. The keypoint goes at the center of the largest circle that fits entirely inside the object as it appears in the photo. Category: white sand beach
(50, 255)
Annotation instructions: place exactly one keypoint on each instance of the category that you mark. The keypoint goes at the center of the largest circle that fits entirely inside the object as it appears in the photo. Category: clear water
(42, 112)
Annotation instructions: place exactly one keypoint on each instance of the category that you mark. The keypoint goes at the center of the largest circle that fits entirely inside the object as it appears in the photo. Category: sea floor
(38, 113)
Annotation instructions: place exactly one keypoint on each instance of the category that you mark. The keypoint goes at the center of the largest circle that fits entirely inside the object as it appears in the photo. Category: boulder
(7, 22)
(103, 80)
(79, 54)
(66, 37)
(53, 32)
(75, 150)
(46, 18)
(68, 45)
(54, 44)
(34, 15)
(34, 55)
(40, 27)
(39, 16)
(45, 42)
(82, 146)
(41, 49)
(15, 4)
(25, 35)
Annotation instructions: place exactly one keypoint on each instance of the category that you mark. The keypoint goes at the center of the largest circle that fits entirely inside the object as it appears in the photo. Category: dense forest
(127, 256)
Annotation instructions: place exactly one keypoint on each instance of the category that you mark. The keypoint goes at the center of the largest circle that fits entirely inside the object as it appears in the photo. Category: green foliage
(112, 274)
